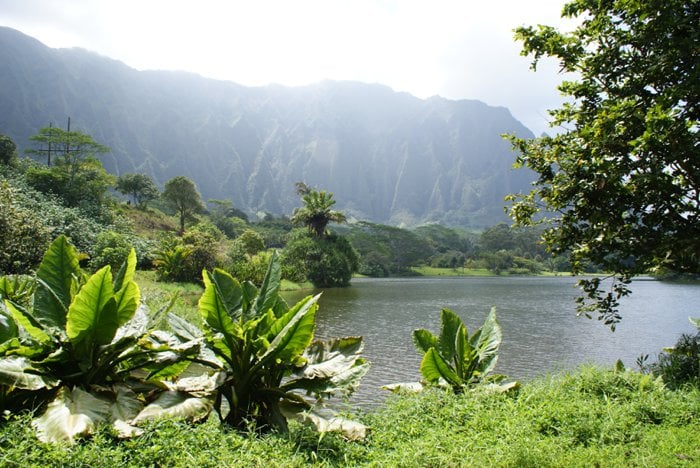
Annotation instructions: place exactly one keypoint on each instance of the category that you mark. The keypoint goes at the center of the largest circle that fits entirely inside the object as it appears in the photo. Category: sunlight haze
(455, 49)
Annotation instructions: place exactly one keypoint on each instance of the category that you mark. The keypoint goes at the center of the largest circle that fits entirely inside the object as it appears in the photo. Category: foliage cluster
(327, 261)
(620, 184)
(82, 351)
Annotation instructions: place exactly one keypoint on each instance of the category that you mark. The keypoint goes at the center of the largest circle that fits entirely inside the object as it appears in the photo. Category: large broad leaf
(176, 404)
(433, 368)
(424, 340)
(8, 327)
(125, 275)
(127, 292)
(327, 358)
(268, 293)
(450, 323)
(217, 303)
(487, 343)
(334, 367)
(182, 328)
(126, 406)
(695, 321)
(17, 371)
(28, 322)
(136, 327)
(72, 414)
(92, 317)
(325, 420)
(404, 387)
(293, 331)
(464, 355)
(56, 273)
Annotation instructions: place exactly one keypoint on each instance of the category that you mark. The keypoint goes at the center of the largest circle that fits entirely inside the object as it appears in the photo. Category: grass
(590, 417)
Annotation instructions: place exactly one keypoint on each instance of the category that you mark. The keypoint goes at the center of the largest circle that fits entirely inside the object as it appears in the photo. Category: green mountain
(388, 157)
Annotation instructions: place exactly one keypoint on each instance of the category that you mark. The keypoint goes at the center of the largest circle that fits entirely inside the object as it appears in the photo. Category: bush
(680, 365)
(183, 259)
(326, 261)
(23, 236)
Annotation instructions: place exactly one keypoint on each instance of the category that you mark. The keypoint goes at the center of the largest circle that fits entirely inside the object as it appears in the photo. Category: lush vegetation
(585, 418)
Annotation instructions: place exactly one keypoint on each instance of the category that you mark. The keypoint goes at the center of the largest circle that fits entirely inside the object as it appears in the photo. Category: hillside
(388, 157)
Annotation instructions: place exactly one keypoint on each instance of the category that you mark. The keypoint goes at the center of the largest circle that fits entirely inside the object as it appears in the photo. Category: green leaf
(464, 355)
(72, 414)
(293, 332)
(28, 322)
(8, 327)
(433, 368)
(487, 343)
(268, 293)
(424, 340)
(126, 272)
(450, 323)
(176, 404)
(56, 274)
(216, 304)
(127, 301)
(92, 317)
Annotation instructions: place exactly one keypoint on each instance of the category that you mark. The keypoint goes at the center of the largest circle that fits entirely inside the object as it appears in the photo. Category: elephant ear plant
(454, 358)
(273, 371)
(79, 351)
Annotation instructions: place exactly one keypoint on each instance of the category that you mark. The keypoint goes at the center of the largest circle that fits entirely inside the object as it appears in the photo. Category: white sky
(458, 49)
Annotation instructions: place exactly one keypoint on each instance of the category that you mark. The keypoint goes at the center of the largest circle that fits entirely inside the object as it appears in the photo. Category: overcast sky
(458, 49)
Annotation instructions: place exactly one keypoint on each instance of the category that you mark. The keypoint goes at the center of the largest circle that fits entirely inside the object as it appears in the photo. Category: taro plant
(79, 352)
(272, 369)
(454, 358)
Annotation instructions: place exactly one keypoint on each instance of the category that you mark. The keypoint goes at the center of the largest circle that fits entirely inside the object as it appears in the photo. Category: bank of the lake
(590, 417)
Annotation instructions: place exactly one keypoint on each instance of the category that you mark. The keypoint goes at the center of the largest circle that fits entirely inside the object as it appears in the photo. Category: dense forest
(177, 233)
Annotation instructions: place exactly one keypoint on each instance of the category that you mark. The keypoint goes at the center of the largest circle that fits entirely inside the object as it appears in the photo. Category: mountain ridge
(388, 157)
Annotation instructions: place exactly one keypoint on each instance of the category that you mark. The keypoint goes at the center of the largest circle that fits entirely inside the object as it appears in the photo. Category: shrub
(23, 236)
(680, 365)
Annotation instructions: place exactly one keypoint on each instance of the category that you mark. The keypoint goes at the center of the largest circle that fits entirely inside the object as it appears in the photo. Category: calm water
(541, 332)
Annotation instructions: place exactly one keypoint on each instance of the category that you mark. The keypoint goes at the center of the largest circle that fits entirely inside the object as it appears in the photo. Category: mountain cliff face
(388, 157)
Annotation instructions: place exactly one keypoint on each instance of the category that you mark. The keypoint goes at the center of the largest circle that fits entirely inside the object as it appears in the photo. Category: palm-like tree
(316, 212)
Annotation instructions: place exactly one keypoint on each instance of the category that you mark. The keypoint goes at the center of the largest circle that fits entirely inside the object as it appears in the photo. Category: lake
(541, 332)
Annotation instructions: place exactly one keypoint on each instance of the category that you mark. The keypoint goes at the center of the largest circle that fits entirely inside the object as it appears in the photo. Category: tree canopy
(73, 172)
(140, 187)
(181, 194)
(317, 211)
(621, 182)
(7, 149)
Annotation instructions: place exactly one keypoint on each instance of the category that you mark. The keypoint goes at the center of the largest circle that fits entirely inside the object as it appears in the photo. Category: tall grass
(584, 418)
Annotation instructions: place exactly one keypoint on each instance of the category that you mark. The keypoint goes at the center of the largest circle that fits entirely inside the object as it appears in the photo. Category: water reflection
(541, 332)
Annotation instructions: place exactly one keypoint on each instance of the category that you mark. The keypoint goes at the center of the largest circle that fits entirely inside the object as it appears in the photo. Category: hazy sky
(458, 49)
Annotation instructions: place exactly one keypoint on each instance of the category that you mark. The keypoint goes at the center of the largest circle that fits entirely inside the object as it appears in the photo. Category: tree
(140, 187)
(7, 150)
(621, 184)
(69, 147)
(316, 212)
(74, 174)
(181, 194)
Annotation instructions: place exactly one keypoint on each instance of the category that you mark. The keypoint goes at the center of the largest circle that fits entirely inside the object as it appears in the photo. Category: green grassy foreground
(591, 417)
